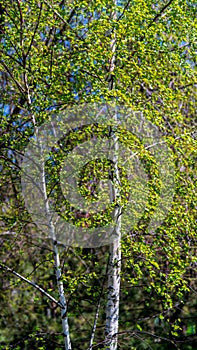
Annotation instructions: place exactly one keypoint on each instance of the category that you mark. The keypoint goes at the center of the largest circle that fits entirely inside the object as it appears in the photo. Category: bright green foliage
(54, 55)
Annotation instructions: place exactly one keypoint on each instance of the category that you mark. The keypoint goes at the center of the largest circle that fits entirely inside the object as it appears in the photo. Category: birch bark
(25, 89)
(114, 269)
(58, 272)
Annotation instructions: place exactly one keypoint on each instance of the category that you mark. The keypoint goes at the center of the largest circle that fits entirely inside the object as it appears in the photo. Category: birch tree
(55, 55)
(114, 268)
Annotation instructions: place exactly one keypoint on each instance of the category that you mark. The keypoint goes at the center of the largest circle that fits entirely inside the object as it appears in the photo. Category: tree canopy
(59, 56)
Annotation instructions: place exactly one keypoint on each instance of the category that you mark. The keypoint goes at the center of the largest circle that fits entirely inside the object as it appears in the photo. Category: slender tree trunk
(26, 92)
(58, 271)
(65, 327)
(113, 298)
(114, 269)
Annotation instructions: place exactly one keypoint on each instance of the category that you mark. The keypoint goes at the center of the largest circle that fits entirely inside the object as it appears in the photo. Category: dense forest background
(56, 55)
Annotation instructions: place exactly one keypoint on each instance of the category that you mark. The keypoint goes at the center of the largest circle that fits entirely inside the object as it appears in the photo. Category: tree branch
(160, 13)
(33, 284)
(34, 33)
(12, 77)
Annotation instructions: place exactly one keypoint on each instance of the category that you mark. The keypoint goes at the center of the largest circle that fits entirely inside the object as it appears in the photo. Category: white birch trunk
(65, 327)
(62, 298)
(114, 269)
(58, 272)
